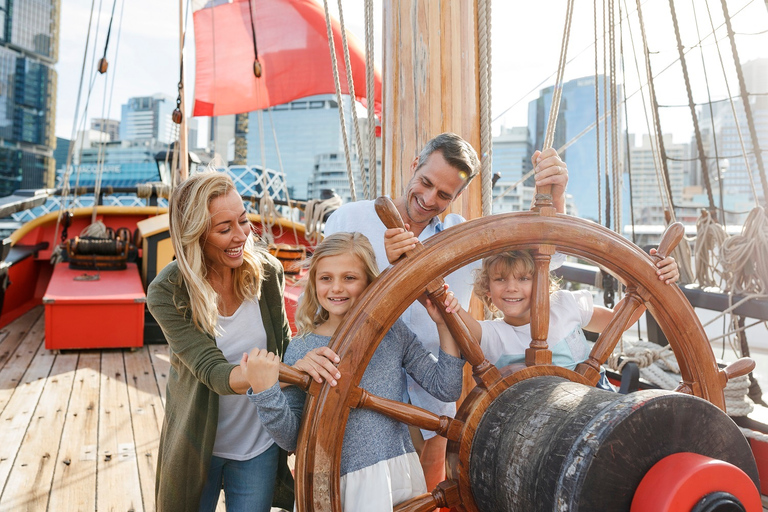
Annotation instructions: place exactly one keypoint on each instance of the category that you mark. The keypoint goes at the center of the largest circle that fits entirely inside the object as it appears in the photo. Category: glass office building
(576, 114)
(28, 51)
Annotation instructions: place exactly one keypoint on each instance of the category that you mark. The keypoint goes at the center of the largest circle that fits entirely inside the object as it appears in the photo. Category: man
(441, 172)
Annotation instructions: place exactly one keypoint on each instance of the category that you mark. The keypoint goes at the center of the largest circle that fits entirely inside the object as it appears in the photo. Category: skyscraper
(148, 117)
(512, 160)
(729, 132)
(576, 114)
(646, 182)
(109, 126)
(304, 129)
(28, 50)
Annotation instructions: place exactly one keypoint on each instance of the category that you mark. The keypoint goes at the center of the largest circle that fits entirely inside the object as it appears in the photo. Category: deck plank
(13, 333)
(30, 338)
(147, 415)
(74, 479)
(18, 413)
(29, 483)
(118, 486)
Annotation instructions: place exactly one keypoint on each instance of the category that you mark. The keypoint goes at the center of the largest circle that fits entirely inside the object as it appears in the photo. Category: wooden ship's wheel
(542, 438)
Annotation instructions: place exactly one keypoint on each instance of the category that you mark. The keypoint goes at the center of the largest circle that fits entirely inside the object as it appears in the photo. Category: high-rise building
(28, 50)
(722, 136)
(646, 177)
(148, 117)
(109, 126)
(512, 160)
(575, 116)
(303, 129)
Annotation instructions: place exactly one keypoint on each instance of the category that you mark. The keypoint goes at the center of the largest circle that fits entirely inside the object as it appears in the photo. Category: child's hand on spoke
(262, 369)
(320, 364)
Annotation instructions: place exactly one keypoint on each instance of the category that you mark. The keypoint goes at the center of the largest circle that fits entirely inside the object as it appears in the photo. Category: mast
(431, 85)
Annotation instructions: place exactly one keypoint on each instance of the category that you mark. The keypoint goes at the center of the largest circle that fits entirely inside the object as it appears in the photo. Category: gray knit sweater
(370, 437)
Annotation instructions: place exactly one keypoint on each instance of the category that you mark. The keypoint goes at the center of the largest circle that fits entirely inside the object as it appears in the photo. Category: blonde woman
(220, 298)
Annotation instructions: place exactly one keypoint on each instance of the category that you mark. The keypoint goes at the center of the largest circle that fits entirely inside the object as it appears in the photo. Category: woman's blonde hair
(310, 314)
(189, 224)
(517, 263)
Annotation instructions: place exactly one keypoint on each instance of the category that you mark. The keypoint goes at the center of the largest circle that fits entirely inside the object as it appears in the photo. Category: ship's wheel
(469, 480)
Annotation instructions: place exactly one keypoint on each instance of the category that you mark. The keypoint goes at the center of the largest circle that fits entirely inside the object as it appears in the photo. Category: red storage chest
(83, 312)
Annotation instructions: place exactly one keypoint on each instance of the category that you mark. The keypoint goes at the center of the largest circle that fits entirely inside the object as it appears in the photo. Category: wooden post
(431, 85)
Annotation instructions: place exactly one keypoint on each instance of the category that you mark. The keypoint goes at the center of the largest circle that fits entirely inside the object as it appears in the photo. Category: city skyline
(148, 59)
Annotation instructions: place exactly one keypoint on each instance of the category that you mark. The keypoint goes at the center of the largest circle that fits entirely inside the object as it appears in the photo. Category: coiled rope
(659, 367)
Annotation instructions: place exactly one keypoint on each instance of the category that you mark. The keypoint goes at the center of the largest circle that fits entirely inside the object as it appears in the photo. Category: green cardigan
(199, 373)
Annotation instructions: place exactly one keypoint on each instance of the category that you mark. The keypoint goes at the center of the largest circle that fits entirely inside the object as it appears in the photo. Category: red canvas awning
(292, 42)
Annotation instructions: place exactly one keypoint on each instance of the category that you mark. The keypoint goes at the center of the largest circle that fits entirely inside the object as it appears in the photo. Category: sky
(526, 40)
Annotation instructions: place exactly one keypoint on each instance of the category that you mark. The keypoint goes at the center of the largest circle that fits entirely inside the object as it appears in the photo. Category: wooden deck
(79, 430)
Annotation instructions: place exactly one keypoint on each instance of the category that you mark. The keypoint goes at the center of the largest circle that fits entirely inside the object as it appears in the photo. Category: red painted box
(90, 309)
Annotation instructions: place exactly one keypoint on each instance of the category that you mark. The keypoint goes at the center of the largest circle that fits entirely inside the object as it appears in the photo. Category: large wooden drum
(551, 444)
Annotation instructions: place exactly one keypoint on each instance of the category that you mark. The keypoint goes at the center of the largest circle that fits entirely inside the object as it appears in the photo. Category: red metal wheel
(681, 481)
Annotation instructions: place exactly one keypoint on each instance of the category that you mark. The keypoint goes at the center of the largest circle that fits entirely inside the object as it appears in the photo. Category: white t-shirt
(505, 344)
(240, 435)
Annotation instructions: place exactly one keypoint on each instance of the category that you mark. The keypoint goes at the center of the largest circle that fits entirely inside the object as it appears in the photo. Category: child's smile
(511, 295)
(339, 281)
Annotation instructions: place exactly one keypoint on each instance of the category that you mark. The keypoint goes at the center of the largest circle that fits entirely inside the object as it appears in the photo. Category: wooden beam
(431, 85)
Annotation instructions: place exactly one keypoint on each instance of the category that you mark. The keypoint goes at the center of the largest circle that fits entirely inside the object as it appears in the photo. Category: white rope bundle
(314, 213)
(710, 236)
(745, 256)
(659, 367)
(736, 401)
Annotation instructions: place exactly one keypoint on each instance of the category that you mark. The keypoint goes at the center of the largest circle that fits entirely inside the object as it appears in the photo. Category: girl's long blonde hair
(515, 262)
(189, 224)
(310, 314)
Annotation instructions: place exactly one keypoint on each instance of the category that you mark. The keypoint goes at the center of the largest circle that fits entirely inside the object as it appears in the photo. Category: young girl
(505, 282)
(379, 466)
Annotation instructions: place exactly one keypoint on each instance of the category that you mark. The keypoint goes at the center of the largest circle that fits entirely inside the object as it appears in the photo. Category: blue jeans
(248, 484)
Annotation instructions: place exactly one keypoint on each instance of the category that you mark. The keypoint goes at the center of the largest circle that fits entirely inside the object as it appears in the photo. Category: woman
(220, 298)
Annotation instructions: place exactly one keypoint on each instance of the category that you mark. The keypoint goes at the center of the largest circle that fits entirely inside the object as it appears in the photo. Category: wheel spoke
(539, 352)
(291, 375)
(484, 372)
(407, 413)
(610, 336)
(446, 494)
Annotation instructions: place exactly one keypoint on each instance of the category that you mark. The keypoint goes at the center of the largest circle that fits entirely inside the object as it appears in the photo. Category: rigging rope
(733, 106)
(658, 134)
(747, 106)
(745, 256)
(558, 89)
(315, 212)
(353, 110)
(267, 210)
(342, 120)
(597, 122)
(486, 141)
(694, 117)
(282, 172)
(370, 98)
(709, 240)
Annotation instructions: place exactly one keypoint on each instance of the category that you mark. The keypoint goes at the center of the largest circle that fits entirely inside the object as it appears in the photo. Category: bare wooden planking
(18, 412)
(118, 486)
(74, 479)
(29, 483)
(24, 342)
(15, 332)
(147, 417)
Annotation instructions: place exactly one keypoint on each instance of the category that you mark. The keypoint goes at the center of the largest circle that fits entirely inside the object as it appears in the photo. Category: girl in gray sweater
(379, 466)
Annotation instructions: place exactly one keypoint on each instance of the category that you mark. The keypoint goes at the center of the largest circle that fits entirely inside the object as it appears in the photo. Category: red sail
(292, 41)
